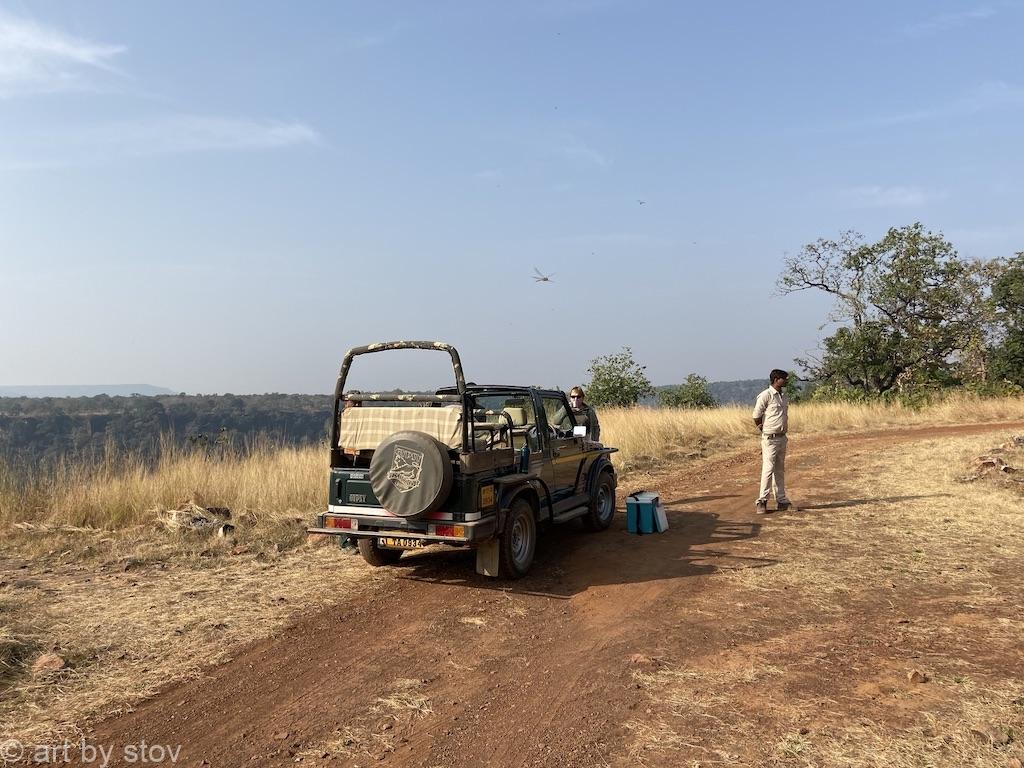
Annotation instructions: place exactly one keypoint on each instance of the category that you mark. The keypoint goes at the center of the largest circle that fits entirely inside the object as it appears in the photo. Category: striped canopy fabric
(364, 428)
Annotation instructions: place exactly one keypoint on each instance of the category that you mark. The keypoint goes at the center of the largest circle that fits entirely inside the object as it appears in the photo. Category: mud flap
(487, 557)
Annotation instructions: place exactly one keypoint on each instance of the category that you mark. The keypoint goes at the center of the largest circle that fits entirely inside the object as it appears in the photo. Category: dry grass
(405, 696)
(906, 514)
(124, 634)
(911, 570)
(123, 491)
(90, 570)
(968, 732)
(647, 437)
(377, 733)
(116, 510)
(268, 486)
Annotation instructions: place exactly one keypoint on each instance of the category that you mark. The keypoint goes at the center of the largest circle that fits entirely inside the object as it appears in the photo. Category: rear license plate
(392, 542)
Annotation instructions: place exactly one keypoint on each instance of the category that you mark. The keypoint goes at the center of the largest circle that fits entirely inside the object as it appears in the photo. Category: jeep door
(566, 451)
(523, 413)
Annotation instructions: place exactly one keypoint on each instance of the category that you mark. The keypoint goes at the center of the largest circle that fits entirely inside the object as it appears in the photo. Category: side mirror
(579, 431)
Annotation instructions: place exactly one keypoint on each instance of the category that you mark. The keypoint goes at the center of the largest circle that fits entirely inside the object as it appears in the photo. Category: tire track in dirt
(536, 672)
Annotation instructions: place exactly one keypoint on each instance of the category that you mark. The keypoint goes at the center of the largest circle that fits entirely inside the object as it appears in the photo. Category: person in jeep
(585, 415)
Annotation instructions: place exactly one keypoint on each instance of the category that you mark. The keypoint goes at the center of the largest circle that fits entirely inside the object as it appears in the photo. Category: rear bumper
(371, 526)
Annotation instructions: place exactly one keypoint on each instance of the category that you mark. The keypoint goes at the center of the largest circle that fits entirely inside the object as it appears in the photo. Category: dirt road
(442, 667)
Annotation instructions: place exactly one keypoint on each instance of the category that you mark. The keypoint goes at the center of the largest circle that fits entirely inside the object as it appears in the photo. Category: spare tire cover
(411, 474)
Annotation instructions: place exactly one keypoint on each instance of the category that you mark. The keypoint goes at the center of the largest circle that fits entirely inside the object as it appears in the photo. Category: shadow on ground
(867, 502)
(570, 560)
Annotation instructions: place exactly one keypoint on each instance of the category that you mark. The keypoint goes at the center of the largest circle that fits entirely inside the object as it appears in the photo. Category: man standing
(771, 416)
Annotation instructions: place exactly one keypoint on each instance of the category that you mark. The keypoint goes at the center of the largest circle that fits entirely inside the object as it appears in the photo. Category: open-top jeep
(487, 467)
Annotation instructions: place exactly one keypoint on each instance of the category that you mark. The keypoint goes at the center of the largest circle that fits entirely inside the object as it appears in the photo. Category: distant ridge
(84, 390)
(737, 392)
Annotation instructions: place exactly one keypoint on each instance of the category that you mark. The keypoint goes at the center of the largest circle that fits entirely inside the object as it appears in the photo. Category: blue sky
(224, 197)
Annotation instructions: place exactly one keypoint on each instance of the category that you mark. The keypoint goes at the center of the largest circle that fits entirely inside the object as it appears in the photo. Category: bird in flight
(642, 202)
(540, 277)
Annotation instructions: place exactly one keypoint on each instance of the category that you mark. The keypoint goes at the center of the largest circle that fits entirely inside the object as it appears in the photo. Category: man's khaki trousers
(773, 468)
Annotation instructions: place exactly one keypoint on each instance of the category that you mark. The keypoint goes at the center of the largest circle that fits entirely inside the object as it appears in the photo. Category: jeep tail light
(338, 522)
(449, 530)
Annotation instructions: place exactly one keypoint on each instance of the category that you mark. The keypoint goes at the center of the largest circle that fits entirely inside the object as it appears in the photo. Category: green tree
(693, 393)
(909, 309)
(617, 380)
(1006, 357)
(794, 392)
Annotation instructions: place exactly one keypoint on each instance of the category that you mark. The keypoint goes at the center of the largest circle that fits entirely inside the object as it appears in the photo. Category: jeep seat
(520, 426)
(518, 416)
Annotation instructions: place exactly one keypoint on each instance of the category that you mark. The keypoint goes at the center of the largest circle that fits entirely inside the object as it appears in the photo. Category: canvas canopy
(366, 428)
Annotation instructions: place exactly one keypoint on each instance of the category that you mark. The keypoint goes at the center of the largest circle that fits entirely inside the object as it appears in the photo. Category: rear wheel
(602, 504)
(518, 542)
(377, 556)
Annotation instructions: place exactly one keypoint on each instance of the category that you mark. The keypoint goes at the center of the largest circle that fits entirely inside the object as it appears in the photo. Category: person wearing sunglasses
(585, 414)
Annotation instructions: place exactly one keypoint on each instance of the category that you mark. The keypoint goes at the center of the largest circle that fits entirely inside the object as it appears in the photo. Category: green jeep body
(487, 468)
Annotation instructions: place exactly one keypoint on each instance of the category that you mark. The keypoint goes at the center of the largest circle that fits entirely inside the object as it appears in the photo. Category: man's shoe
(784, 507)
(761, 508)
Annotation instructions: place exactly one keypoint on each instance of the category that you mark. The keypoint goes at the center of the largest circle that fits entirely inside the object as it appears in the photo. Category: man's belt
(771, 435)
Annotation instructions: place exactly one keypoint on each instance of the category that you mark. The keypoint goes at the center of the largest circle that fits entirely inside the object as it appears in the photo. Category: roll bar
(384, 346)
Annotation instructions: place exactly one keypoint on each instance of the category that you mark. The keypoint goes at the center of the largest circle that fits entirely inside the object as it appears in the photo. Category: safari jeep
(487, 467)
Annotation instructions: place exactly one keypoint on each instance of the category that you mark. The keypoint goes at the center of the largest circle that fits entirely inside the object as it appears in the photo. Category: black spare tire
(411, 474)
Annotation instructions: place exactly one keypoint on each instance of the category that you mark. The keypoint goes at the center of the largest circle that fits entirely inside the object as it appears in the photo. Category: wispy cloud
(38, 59)
(986, 96)
(373, 39)
(489, 174)
(176, 134)
(992, 94)
(196, 133)
(984, 235)
(875, 196)
(581, 153)
(610, 238)
(571, 7)
(944, 22)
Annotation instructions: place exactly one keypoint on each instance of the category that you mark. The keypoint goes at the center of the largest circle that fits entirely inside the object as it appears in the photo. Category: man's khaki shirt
(774, 407)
